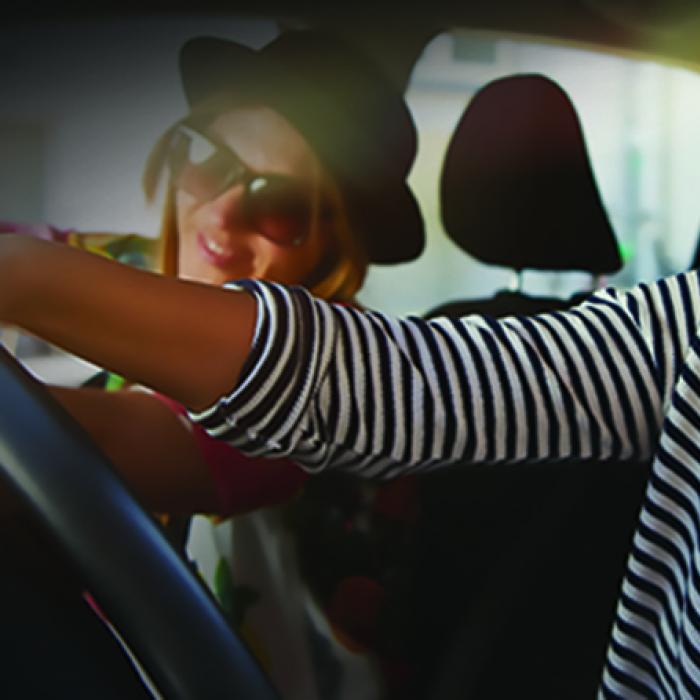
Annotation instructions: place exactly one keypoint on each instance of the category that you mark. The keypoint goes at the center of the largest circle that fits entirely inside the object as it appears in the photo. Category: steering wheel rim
(169, 621)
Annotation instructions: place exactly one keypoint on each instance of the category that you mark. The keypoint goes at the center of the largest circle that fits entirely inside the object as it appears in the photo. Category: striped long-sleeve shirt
(615, 378)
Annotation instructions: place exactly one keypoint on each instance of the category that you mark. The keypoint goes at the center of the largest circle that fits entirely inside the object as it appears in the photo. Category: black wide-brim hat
(349, 112)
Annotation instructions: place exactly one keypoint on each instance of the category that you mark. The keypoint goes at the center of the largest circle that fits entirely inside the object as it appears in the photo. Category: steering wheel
(168, 620)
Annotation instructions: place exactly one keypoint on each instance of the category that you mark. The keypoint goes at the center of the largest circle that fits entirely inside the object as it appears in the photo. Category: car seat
(504, 549)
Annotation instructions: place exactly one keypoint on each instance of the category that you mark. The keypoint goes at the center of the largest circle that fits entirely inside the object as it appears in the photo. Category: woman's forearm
(151, 447)
(187, 340)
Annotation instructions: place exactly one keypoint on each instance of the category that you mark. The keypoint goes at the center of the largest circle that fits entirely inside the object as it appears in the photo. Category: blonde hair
(341, 273)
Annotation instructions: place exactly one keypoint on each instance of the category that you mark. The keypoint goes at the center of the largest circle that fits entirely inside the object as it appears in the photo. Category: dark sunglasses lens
(279, 208)
(205, 180)
(201, 168)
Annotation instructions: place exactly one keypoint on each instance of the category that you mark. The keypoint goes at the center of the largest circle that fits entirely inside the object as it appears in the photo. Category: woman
(272, 370)
(287, 374)
(260, 183)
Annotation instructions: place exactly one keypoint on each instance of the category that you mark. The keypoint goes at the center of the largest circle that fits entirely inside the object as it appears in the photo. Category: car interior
(558, 144)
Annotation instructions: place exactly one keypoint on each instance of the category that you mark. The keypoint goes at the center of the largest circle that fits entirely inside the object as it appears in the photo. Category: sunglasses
(279, 207)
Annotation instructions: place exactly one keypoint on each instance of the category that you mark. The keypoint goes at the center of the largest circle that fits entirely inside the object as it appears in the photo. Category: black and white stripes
(655, 645)
(335, 387)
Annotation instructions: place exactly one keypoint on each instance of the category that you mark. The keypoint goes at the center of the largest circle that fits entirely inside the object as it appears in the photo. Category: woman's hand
(184, 339)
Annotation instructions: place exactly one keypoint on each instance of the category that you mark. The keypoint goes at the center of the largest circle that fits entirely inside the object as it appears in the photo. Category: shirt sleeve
(361, 391)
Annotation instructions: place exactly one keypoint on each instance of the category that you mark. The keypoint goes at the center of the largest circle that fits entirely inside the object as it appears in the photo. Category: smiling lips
(214, 252)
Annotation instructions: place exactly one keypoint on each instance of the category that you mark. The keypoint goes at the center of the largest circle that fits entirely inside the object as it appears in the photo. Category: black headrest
(517, 187)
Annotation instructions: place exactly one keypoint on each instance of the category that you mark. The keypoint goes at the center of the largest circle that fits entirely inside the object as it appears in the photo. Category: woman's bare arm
(150, 446)
(187, 340)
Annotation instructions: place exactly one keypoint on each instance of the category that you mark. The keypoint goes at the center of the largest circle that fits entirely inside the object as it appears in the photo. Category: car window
(639, 118)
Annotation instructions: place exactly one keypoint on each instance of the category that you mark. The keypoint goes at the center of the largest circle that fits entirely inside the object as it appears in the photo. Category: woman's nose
(226, 210)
